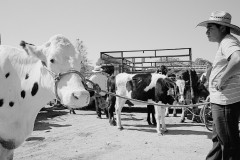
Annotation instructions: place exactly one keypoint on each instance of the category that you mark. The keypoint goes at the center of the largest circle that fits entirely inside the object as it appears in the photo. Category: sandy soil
(59, 135)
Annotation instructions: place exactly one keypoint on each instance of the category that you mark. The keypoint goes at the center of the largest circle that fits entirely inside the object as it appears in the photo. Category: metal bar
(181, 55)
(122, 62)
(145, 50)
(163, 62)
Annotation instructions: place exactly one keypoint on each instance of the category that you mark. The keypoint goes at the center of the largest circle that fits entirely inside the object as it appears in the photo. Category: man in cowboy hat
(224, 87)
(101, 79)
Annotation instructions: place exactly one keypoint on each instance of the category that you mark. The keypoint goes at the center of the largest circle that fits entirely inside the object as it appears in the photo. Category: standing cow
(29, 80)
(190, 90)
(154, 87)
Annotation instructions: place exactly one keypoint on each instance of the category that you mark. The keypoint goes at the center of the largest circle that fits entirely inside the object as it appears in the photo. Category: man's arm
(232, 68)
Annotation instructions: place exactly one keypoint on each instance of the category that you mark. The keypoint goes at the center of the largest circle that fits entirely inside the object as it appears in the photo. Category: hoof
(72, 111)
(166, 115)
(113, 123)
(120, 128)
(160, 134)
(182, 120)
(149, 123)
(174, 115)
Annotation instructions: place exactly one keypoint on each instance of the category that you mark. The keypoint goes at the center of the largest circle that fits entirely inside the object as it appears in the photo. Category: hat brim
(233, 28)
(97, 71)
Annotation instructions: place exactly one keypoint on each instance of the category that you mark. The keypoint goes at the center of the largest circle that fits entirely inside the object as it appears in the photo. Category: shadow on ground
(41, 122)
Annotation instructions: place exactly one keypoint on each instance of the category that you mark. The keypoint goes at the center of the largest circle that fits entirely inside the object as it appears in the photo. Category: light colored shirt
(231, 91)
(101, 80)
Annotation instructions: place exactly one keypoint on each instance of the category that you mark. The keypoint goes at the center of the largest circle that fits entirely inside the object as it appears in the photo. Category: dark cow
(194, 90)
(111, 87)
(154, 87)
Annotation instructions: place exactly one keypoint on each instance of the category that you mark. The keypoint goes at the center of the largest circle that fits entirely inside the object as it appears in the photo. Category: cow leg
(153, 116)
(174, 112)
(160, 114)
(106, 112)
(6, 154)
(149, 114)
(167, 112)
(164, 128)
(183, 115)
(194, 118)
(112, 101)
(72, 111)
(118, 109)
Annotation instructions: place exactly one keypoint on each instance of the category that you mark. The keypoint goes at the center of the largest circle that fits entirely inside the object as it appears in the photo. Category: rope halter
(59, 76)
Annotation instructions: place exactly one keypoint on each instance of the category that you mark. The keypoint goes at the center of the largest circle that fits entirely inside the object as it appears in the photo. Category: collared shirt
(101, 80)
(231, 91)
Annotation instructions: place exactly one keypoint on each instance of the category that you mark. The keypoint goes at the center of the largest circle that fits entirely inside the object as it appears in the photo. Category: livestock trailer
(148, 61)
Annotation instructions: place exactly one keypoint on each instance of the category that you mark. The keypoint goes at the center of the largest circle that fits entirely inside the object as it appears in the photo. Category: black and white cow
(145, 87)
(27, 83)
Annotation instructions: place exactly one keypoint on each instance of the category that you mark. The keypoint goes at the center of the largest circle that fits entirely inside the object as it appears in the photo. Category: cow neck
(47, 81)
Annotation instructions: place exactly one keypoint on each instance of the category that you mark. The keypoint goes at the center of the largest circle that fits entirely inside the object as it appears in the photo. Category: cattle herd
(158, 88)
(33, 76)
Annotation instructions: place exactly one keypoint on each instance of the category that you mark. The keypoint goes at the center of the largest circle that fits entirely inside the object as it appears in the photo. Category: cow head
(180, 89)
(59, 56)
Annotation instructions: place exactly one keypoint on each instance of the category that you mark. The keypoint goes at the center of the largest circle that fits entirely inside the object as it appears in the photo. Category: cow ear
(33, 50)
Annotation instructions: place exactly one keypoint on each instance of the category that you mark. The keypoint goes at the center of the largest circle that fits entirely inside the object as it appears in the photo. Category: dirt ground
(59, 135)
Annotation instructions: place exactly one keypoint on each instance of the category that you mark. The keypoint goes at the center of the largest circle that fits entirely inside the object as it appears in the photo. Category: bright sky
(110, 25)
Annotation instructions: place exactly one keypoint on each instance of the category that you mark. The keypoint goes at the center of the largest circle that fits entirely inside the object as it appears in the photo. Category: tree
(201, 61)
(85, 64)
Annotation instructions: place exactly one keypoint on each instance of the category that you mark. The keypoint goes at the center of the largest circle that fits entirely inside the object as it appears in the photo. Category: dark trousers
(225, 135)
(98, 109)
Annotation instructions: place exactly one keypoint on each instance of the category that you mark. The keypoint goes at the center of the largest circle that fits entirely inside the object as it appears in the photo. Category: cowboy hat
(97, 69)
(222, 18)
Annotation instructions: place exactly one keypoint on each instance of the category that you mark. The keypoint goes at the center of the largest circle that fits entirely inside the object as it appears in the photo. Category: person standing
(224, 87)
(99, 78)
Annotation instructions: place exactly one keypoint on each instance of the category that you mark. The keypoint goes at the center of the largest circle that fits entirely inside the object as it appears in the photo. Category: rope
(150, 103)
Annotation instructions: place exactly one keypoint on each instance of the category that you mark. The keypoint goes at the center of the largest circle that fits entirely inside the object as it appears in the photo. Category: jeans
(225, 135)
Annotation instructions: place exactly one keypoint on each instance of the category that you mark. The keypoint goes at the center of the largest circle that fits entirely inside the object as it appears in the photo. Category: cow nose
(75, 96)
(82, 96)
(78, 94)
(181, 100)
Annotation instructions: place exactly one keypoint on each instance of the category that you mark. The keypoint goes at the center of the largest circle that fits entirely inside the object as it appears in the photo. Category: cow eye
(52, 60)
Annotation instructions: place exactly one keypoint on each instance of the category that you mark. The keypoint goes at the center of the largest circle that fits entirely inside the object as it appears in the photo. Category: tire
(206, 116)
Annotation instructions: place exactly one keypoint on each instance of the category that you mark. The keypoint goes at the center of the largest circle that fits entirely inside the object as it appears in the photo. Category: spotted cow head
(59, 56)
(180, 89)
